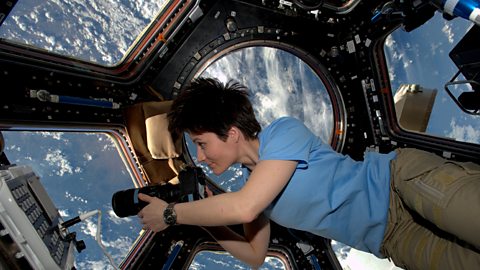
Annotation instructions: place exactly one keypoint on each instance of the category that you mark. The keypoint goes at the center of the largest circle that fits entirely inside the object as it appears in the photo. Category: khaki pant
(434, 213)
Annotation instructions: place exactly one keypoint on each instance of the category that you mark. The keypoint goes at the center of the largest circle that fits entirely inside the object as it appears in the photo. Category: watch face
(169, 216)
(169, 220)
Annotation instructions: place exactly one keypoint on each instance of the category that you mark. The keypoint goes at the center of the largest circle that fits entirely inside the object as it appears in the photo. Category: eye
(201, 145)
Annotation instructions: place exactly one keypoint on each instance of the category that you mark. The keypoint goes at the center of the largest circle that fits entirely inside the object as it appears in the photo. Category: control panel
(30, 223)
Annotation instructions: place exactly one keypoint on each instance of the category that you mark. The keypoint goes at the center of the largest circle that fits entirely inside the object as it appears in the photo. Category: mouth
(214, 168)
(210, 165)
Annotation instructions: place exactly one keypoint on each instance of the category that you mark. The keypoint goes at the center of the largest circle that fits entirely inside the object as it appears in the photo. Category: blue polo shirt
(329, 194)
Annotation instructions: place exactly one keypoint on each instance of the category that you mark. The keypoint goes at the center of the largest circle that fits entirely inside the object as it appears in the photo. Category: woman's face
(219, 155)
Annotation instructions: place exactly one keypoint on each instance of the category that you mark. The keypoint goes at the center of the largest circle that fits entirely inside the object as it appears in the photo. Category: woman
(299, 182)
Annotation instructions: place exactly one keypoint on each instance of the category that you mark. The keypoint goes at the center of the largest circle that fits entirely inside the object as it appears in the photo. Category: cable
(308, 6)
(98, 236)
(99, 241)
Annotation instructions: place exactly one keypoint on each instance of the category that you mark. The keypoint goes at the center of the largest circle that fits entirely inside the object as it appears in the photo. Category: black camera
(126, 203)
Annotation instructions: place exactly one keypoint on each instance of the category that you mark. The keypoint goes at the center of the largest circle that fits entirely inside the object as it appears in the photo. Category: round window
(282, 82)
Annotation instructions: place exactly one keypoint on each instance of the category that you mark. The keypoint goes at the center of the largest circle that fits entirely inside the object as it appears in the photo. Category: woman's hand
(151, 216)
(208, 192)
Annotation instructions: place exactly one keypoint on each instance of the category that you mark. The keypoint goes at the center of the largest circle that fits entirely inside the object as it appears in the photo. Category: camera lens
(126, 203)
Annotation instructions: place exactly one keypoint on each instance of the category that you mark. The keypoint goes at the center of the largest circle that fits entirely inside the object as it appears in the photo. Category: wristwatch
(169, 215)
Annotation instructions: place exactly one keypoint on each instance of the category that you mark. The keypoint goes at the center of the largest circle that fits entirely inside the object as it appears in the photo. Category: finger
(144, 197)
(208, 192)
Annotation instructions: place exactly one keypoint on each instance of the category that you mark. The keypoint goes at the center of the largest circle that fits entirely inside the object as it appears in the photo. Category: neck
(249, 153)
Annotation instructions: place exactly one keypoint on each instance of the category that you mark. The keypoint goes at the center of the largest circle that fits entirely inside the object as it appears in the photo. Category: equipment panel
(31, 222)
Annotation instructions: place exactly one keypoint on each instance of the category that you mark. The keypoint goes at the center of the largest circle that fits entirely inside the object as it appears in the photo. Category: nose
(200, 154)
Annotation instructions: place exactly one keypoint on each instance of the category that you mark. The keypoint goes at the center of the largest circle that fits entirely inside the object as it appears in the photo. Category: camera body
(126, 203)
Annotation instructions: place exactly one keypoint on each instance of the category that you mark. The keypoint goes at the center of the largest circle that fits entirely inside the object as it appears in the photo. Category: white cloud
(464, 133)
(13, 148)
(196, 265)
(389, 42)
(361, 260)
(115, 219)
(447, 30)
(64, 213)
(391, 72)
(73, 198)
(397, 58)
(123, 244)
(318, 114)
(53, 135)
(87, 157)
(108, 143)
(88, 227)
(434, 47)
(94, 265)
(56, 159)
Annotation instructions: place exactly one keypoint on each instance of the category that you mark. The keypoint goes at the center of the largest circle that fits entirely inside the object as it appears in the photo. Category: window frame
(139, 56)
(120, 137)
(401, 137)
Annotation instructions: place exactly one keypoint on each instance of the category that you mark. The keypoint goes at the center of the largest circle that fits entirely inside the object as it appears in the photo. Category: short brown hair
(207, 105)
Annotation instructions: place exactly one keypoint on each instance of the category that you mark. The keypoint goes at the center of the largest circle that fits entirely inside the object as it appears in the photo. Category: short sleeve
(286, 139)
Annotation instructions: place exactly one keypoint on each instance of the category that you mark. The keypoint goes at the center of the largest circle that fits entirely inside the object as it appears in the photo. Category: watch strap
(169, 215)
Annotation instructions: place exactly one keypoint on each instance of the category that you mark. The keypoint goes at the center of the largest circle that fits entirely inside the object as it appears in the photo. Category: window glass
(80, 172)
(96, 31)
(420, 57)
(223, 260)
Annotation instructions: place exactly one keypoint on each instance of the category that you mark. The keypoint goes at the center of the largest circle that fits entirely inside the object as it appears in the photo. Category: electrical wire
(98, 237)
(308, 6)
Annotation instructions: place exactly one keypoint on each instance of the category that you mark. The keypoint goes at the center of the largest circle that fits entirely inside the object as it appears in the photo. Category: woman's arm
(252, 247)
(265, 182)
(245, 206)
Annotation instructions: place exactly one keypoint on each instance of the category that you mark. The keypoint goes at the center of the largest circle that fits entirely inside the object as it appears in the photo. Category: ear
(234, 134)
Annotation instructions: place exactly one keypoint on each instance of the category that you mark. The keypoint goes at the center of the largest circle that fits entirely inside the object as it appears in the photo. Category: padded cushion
(159, 141)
